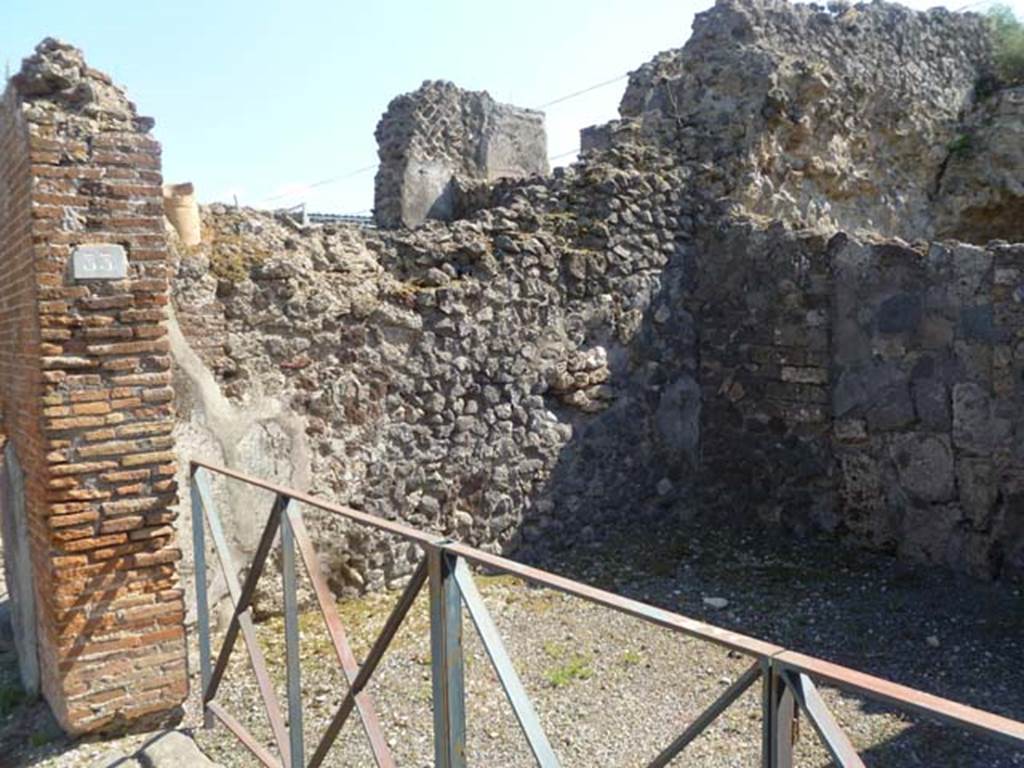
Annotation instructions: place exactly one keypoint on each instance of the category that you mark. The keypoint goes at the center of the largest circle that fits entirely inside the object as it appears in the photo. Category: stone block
(899, 314)
(173, 750)
(979, 491)
(858, 389)
(977, 323)
(978, 555)
(850, 430)
(935, 332)
(860, 481)
(804, 374)
(924, 465)
(930, 533)
(974, 358)
(978, 430)
(893, 410)
(931, 403)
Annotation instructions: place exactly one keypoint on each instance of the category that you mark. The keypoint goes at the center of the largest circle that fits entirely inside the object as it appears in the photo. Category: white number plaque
(105, 261)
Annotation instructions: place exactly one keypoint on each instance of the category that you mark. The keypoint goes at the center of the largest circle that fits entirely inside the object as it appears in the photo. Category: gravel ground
(612, 691)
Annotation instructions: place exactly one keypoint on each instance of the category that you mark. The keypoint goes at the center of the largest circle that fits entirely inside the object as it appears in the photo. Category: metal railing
(303, 218)
(786, 676)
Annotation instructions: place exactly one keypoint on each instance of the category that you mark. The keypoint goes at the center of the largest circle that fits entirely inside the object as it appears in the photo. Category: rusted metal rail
(787, 678)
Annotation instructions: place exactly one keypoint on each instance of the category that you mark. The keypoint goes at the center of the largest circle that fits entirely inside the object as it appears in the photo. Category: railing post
(202, 599)
(446, 661)
(291, 637)
(778, 712)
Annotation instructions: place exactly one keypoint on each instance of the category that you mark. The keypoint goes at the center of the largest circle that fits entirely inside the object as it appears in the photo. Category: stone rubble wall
(808, 381)
(497, 379)
(674, 325)
(870, 389)
(761, 299)
(838, 118)
(980, 194)
(928, 387)
(440, 135)
(85, 396)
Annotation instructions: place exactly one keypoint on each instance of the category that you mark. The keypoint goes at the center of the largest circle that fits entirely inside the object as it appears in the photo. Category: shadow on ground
(26, 725)
(933, 630)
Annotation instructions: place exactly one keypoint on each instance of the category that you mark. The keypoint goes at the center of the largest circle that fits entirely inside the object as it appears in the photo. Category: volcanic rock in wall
(837, 118)
(712, 308)
(432, 138)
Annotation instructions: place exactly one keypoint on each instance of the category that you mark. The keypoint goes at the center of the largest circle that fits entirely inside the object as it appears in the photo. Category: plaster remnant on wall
(260, 437)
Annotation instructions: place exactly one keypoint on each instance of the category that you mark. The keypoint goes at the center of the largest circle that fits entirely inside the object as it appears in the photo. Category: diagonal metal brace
(363, 700)
(243, 602)
(370, 665)
(248, 740)
(242, 617)
(832, 735)
(514, 690)
(708, 716)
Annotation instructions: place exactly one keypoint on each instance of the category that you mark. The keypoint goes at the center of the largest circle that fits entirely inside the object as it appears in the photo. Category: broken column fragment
(429, 139)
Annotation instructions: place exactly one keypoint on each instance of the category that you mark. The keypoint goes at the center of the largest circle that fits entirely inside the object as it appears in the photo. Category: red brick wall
(20, 377)
(85, 392)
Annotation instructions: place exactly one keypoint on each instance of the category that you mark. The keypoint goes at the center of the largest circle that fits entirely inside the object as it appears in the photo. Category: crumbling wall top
(837, 118)
(441, 134)
(57, 77)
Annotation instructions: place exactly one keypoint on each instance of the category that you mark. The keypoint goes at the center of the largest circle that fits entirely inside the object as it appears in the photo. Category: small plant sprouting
(553, 650)
(40, 738)
(961, 146)
(576, 667)
(632, 658)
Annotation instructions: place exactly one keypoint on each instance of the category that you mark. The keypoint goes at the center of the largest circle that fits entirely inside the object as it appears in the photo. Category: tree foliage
(1008, 45)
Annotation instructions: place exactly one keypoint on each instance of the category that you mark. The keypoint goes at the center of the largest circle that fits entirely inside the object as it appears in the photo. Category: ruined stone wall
(880, 121)
(869, 389)
(514, 378)
(432, 140)
(928, 357)
(838, 118)
(824, 384)
(658, 330)
(979, 194)
(675, 325)
(761, 301)
(84, 392)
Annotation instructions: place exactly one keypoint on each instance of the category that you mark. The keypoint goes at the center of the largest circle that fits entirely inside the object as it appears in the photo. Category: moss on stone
(232, 257)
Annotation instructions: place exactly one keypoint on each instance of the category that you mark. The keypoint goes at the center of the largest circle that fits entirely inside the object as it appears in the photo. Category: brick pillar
(85, 396)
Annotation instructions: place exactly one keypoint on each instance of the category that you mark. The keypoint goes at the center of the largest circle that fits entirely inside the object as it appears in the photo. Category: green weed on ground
(575, 667)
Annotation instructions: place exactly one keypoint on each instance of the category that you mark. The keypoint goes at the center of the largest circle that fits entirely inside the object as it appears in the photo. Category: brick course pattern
(85, 392)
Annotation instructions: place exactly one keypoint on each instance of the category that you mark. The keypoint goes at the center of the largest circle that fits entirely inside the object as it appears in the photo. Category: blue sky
(262, 98)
